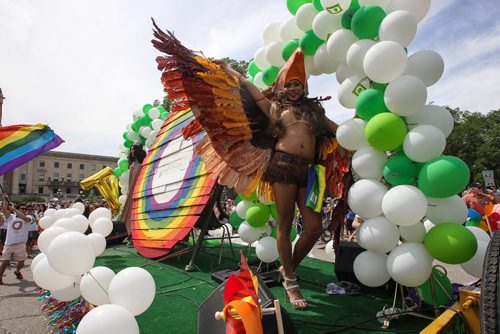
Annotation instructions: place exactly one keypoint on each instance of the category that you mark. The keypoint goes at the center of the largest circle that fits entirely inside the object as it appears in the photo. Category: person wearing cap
(17, 222)
(300, 127)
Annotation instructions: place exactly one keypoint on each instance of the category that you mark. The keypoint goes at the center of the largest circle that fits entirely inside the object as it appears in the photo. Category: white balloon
(133, 136)
(242, 208)
(45, 222)
(274, 53)
(260, 58)
(428, 225)
(133, 288)
(330, 252)
(427, 65)
(365, 198)
(378, 235)
(69, 293)
(36, 259)
(81, 223)
(99, 242)
(356, 55)
(410, 264)
(310, 66)
(145, 131)
(72, 212)
(480, 234)
(49, 279)
(49, 212)
(156, 125)
(380, 3)
(250, 234)
(154, 113)
(351, 134)
(98, 213)
(61, 213)
(474, 266)
(406, 95)
(267, 249)
(68, 224)
(46, 237)
(413, 233)
(103, 226)
(370, 269)
(122, 199)
(325, 24)
(399, 26)
(446, 210)
(404, 205)
(368, 163)
(432, 115)
(305, 16)
(343, 72)
(71, 253)
(137, 114)
(152, 135)
(336, 7)
(271, 33)
(385, 61)
(339, 42)
(106, 319)
(259, 82)
(424, 143)
(350, 89)
(323, 62)
(79, 206)
(289, 29)
(95, 285)
(418, 8)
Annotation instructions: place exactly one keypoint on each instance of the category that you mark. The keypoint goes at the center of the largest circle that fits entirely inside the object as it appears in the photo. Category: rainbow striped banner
(22, 143)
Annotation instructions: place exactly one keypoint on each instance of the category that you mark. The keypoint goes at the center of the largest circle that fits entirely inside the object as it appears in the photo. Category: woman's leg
(312, 229)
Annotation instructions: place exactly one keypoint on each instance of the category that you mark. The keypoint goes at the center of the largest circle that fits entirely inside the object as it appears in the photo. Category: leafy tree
(237, 65)
(475, 140)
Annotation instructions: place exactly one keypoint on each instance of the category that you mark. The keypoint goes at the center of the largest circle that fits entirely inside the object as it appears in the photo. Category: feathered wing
(231, 151)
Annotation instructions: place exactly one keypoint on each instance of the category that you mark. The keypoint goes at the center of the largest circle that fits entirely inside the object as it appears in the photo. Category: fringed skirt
(288, 169)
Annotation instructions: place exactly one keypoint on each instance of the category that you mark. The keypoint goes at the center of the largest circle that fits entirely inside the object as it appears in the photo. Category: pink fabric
(126, 215)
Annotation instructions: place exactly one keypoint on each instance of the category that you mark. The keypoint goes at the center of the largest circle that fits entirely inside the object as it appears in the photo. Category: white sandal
(295, 302)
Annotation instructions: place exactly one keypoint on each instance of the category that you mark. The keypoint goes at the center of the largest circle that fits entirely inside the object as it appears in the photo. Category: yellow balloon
(107, 184)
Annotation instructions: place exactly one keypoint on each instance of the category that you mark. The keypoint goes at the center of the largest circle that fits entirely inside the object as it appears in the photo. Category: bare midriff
(298, 140)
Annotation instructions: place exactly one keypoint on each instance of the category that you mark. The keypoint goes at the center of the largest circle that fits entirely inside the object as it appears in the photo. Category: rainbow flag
(22, 143)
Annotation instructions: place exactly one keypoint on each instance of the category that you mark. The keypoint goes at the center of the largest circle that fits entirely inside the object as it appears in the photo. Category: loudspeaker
(215, 302)
(345, 259)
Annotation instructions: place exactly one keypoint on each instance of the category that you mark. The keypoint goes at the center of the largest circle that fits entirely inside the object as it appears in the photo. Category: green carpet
(180, 293)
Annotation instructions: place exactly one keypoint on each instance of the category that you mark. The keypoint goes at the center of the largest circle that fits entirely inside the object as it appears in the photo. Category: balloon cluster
(255, 220)
(65, 267)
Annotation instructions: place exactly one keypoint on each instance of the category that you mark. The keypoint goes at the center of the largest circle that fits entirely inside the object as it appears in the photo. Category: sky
(84, 66)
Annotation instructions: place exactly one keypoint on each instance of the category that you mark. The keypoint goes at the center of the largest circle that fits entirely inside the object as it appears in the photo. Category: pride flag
(22, 143)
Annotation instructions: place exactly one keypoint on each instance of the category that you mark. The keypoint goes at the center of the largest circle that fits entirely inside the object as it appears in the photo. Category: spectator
(32, 230)
(476, 199)
(355, 225)
(3, 232)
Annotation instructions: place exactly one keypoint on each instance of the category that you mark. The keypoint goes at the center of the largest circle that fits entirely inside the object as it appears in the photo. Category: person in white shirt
(17, 234)
(32, 229)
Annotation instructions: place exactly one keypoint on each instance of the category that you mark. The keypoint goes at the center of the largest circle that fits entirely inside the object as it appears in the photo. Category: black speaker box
(207, 324)
(345, 259)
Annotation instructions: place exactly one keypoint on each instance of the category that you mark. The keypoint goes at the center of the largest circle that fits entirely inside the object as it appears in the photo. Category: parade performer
(270, 141)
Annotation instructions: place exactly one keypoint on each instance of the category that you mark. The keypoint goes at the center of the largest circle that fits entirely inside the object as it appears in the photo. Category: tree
(237, 65)
(475, 139)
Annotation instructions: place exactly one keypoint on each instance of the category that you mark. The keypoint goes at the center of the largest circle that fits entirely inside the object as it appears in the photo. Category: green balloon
(257, 215)
(443, 176)
(399, 169)
(289, 48)
(317, 5)
(451, 243)
(235, 220)
(346, 20)
(253, 69)
(385, 131)
(443, 290)
(145, 120)
(294, 5)
(293, 234)
(309, 43)
(250, 79)
(250, 198)
(366, 21)
(164, 115)
(117, 171)
(270, 74)
(274, 211)
(379, 86)
(125, 135)
(238, 199)
(370, 103)
(123, 164)
(161, 109)
(128, 143)
(136, 125)
(145, 108)
(472, 222)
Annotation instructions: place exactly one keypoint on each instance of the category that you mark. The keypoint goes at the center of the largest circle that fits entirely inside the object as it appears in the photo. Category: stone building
(55, 174)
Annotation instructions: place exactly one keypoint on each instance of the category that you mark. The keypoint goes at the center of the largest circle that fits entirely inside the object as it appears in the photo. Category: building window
(70, 165)
(42, 163)
(55, 177)
(23, 177)
(56, 164)
(22, 188)
(93, 167)
(68, 190)
(81, 177)
(40, 190)
(82, 166)
(41, 176)
(68, 177)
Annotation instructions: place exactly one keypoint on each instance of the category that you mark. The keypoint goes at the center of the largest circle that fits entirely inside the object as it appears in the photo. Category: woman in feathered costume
(238, 149)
